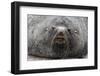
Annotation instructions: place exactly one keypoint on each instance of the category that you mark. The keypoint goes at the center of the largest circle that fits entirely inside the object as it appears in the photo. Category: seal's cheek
(73, 41)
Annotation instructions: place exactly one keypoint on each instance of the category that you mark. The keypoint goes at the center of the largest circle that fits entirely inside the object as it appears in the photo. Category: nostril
(61, 34)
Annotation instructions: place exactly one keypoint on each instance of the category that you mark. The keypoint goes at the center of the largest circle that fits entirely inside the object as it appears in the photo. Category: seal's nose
(60, 34)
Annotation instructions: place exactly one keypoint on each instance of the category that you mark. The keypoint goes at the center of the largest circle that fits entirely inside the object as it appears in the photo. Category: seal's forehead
(58, 21)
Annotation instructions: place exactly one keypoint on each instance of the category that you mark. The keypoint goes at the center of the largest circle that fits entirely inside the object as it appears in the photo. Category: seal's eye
(53, 27)
(69, 30)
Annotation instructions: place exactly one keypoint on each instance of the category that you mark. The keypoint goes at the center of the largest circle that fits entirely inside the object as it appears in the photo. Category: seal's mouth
(59, 45)
(60, 39)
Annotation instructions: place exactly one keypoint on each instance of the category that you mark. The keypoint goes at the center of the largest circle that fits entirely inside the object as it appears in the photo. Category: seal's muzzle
(59, 44)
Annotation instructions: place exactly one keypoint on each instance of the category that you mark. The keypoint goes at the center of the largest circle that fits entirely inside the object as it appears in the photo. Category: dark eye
(69, 30)
(53, 27)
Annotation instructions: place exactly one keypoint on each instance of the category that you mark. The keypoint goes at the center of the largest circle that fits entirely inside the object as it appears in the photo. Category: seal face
(59, 37)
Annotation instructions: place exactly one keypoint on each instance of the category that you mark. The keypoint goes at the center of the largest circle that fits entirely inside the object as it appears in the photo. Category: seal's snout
(59, 45)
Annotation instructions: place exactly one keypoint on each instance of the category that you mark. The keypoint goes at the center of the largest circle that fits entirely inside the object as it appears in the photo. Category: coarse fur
(57, 36)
